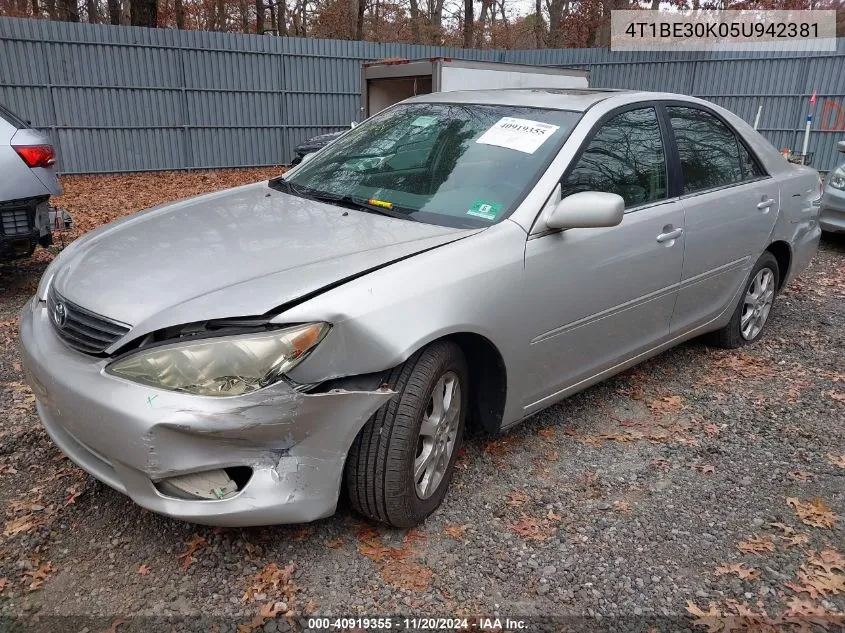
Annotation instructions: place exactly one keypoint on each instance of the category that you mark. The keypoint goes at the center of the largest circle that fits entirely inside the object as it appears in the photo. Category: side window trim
(638, 105)
(664, 105)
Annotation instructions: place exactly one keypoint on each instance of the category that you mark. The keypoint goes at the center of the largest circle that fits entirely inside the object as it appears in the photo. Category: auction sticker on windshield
(523, 135)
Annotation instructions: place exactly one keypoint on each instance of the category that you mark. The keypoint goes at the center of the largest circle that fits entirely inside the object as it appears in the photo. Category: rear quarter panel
(798, 221)
(18, 180)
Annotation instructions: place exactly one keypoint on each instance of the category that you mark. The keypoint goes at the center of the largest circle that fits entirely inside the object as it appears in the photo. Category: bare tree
(68, 10)
(539, 27)
(93, 12)
(359, 20)
(144, 13)
(259, 16)
(179, 10)
(469, 19)
(114, 11)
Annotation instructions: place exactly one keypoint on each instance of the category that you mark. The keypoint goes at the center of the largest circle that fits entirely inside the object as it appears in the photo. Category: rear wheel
(752, 313)
(401, 463)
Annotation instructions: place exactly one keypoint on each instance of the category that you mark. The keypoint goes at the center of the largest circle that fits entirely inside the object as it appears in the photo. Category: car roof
(572, 99)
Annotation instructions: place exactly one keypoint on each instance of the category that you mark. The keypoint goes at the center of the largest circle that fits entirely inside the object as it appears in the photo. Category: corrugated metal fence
(132, 99)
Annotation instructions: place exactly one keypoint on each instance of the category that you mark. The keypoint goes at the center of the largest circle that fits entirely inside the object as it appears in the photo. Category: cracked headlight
(224, 366)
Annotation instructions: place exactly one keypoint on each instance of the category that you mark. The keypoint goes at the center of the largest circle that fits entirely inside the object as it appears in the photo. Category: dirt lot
(700, 482)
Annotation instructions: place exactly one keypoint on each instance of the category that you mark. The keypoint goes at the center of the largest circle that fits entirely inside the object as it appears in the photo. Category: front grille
(16, 222)
(81, 329)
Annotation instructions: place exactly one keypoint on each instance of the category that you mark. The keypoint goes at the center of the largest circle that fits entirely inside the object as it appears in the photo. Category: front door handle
(765, 204)
(669, 235)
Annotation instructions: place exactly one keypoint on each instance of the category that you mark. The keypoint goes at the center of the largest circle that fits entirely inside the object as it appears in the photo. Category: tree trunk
(539, 28)
(282, 18)
(359, 20)
(114, 11)
(179, 10)
(243, 7)
(144, 13)
(555, 16)
(469, 20)
(36, 10)
(220, 13)
(50, 5)
(93, 13)
(482, 20)
(415, 22)
(259, 16)
(437, 14)
(68, 10)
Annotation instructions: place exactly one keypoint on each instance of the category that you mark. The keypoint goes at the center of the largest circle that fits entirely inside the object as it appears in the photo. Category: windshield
(440, 163)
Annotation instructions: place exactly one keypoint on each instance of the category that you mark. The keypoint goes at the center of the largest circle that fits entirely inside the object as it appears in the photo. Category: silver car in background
(242, 357)
(27, 160)
(832, 214)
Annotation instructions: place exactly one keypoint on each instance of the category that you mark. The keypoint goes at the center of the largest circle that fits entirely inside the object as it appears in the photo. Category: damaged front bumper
(288, 447)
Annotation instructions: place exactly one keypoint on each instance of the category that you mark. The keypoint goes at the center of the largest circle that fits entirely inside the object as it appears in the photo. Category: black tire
(379, 470)
(730, 336)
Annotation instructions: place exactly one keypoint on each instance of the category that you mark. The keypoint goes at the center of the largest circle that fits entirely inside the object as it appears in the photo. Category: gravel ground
(701, 482)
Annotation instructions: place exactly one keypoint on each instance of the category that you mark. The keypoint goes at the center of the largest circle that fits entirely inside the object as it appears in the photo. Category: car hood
(238, 252)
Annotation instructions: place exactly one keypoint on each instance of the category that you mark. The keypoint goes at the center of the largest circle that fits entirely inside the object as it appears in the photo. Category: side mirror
(841, 146)
(353, 125)
(307, 157)
(587, 209)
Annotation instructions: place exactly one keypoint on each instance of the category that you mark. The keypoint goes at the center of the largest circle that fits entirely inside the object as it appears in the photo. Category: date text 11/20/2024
(417, 624)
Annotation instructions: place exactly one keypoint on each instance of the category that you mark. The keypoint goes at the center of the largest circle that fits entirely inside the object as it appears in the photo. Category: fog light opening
(209, 485)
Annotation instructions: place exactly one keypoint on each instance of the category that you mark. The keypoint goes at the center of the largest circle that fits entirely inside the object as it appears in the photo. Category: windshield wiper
(401, 213)
(348, 202)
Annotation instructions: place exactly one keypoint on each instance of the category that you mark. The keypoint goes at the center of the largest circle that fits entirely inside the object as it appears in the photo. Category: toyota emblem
(60, 314)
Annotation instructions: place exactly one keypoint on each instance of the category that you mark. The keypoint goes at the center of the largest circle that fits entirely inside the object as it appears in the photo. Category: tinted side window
(709, 151)
(750, 168)
(624, 157)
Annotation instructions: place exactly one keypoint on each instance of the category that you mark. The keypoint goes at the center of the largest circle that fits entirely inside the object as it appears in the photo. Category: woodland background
(501, 24)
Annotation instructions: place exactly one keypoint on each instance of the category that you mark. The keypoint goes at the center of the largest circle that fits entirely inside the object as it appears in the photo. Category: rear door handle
(670, 235)
(765, 204)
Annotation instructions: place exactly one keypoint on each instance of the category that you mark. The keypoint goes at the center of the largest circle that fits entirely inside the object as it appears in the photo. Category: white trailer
(387, 82)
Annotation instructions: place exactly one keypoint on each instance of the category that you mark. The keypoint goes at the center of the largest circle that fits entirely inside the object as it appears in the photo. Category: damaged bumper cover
(136, 438)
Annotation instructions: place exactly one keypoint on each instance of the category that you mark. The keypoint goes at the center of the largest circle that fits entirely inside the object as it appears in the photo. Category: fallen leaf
(815, 512)
(273, 581)
(144, 570)
(622, 506)
(662, 464)
(712, 429)
(517, 498)
(547, 433)
(756, 545)
(4, 582)
(334, 543)
(114, 625)
(5, 469)
(799, 475)
(739, 569)
(37, 577)
(532, 528)
(407, 574)
(456, 531)
(711, 619)
(705, 469)
(193, 545)
(665, 405)
(837, 460)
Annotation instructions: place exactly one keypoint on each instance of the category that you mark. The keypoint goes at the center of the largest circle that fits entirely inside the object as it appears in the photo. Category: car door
(730, 208)
(598, 296)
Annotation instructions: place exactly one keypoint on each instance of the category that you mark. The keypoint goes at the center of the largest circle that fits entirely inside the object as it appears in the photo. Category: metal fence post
(187, 151)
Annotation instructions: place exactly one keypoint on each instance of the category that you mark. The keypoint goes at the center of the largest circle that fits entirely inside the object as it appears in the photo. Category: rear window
(13, 119)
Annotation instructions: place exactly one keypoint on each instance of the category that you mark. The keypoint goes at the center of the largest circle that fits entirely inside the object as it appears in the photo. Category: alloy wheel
(438, 435)
(757, 304)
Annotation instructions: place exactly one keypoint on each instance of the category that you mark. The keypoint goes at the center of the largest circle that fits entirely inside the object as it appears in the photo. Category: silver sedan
(245, 356)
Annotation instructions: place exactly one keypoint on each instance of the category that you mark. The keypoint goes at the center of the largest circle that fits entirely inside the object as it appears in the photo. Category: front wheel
(401, 463)
(752, 313)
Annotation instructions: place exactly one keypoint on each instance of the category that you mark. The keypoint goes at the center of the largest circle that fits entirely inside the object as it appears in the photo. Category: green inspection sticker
(486, 210)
